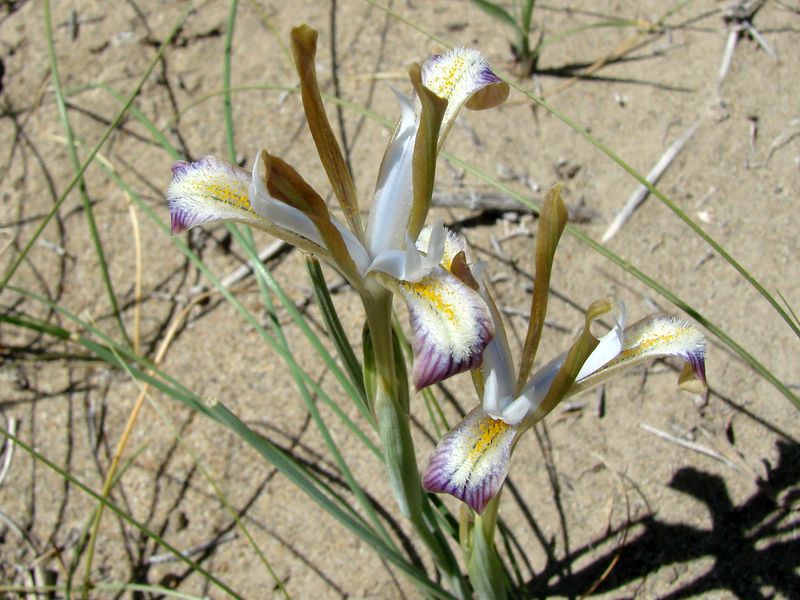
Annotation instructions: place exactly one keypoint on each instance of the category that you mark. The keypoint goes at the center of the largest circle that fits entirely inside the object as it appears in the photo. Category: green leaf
(119, 512)
(486, 572)
(104, 138)
(497, 12)
(337, 334)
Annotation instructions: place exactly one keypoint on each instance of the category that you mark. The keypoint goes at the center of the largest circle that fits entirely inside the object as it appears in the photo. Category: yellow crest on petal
(209, 190)
(463, 77)
(471, 460)
(450, 325)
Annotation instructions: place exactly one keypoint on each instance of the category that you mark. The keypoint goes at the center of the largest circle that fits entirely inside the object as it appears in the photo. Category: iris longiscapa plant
(395, 254)
(471, 461)
(455, 326)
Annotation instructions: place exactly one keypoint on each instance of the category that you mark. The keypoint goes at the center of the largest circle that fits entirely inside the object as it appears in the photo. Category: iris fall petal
(450, 325)
(471, 461)
(210, 190)
(463, 77)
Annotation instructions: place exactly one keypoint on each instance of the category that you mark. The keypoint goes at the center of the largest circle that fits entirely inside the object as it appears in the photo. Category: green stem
(226, 82)
(486, 571)
(391, 412)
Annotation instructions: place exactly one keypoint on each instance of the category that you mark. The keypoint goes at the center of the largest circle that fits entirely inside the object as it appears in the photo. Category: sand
(589, 492)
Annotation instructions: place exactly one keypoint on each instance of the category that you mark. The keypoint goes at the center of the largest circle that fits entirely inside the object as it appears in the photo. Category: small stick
(652, 177)
(600, 402)
(730, 46)
(782, 139)
(168, 557)
(245, 269)
(761, 40)
(690, 445)
(473, 200)
(11, 427)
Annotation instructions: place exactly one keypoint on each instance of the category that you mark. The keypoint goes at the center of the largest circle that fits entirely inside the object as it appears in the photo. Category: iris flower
(451, 323)
(471, 461)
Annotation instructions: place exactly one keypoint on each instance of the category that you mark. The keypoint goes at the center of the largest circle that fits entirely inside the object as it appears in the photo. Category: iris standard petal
(452, 244)
(391, 205)
(498, 366)
(413, 263)
(471, 461)
(462, 76)
(534, 392)
(450, 325)
(610, 345)
(210, 190)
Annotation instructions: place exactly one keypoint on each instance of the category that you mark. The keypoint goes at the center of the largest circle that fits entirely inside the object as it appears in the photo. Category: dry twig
(652, 177)
(691, 446)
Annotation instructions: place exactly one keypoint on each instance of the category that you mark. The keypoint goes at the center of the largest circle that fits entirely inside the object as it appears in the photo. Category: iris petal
(391, 205)
(610, 345)
(451, 244)
(471, 461)
(210, 190)
(463, 76)
(654, 337)
(450, 325)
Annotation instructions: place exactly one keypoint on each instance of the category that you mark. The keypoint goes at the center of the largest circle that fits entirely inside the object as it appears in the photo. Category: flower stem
(391, 404)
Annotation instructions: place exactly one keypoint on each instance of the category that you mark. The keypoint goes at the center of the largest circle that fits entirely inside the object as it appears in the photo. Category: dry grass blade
(123, 440)
(8, 454)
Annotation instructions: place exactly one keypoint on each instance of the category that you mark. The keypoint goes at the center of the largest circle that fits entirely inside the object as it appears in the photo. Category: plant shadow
(755, 546)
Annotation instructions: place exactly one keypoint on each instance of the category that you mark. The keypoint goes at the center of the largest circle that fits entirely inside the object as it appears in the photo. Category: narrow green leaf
(111, 128)
(339, 509)
(486, 571)
(336, 332)
(119, 512)
(527, 15)
(226, 81)
(76, 165)
(497, 12)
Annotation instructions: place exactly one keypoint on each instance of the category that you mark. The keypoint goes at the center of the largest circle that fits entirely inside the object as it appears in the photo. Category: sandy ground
(590, 492)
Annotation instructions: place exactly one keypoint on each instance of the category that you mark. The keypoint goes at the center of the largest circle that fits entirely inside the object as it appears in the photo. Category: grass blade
(119, 512)
(111, 128)
(497, 12)
(73, 155)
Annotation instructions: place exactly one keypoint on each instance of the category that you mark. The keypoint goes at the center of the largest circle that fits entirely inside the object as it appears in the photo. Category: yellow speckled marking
(490, 429)
(226, 194)
(445, 81)
(649, 342)
(425, 290)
